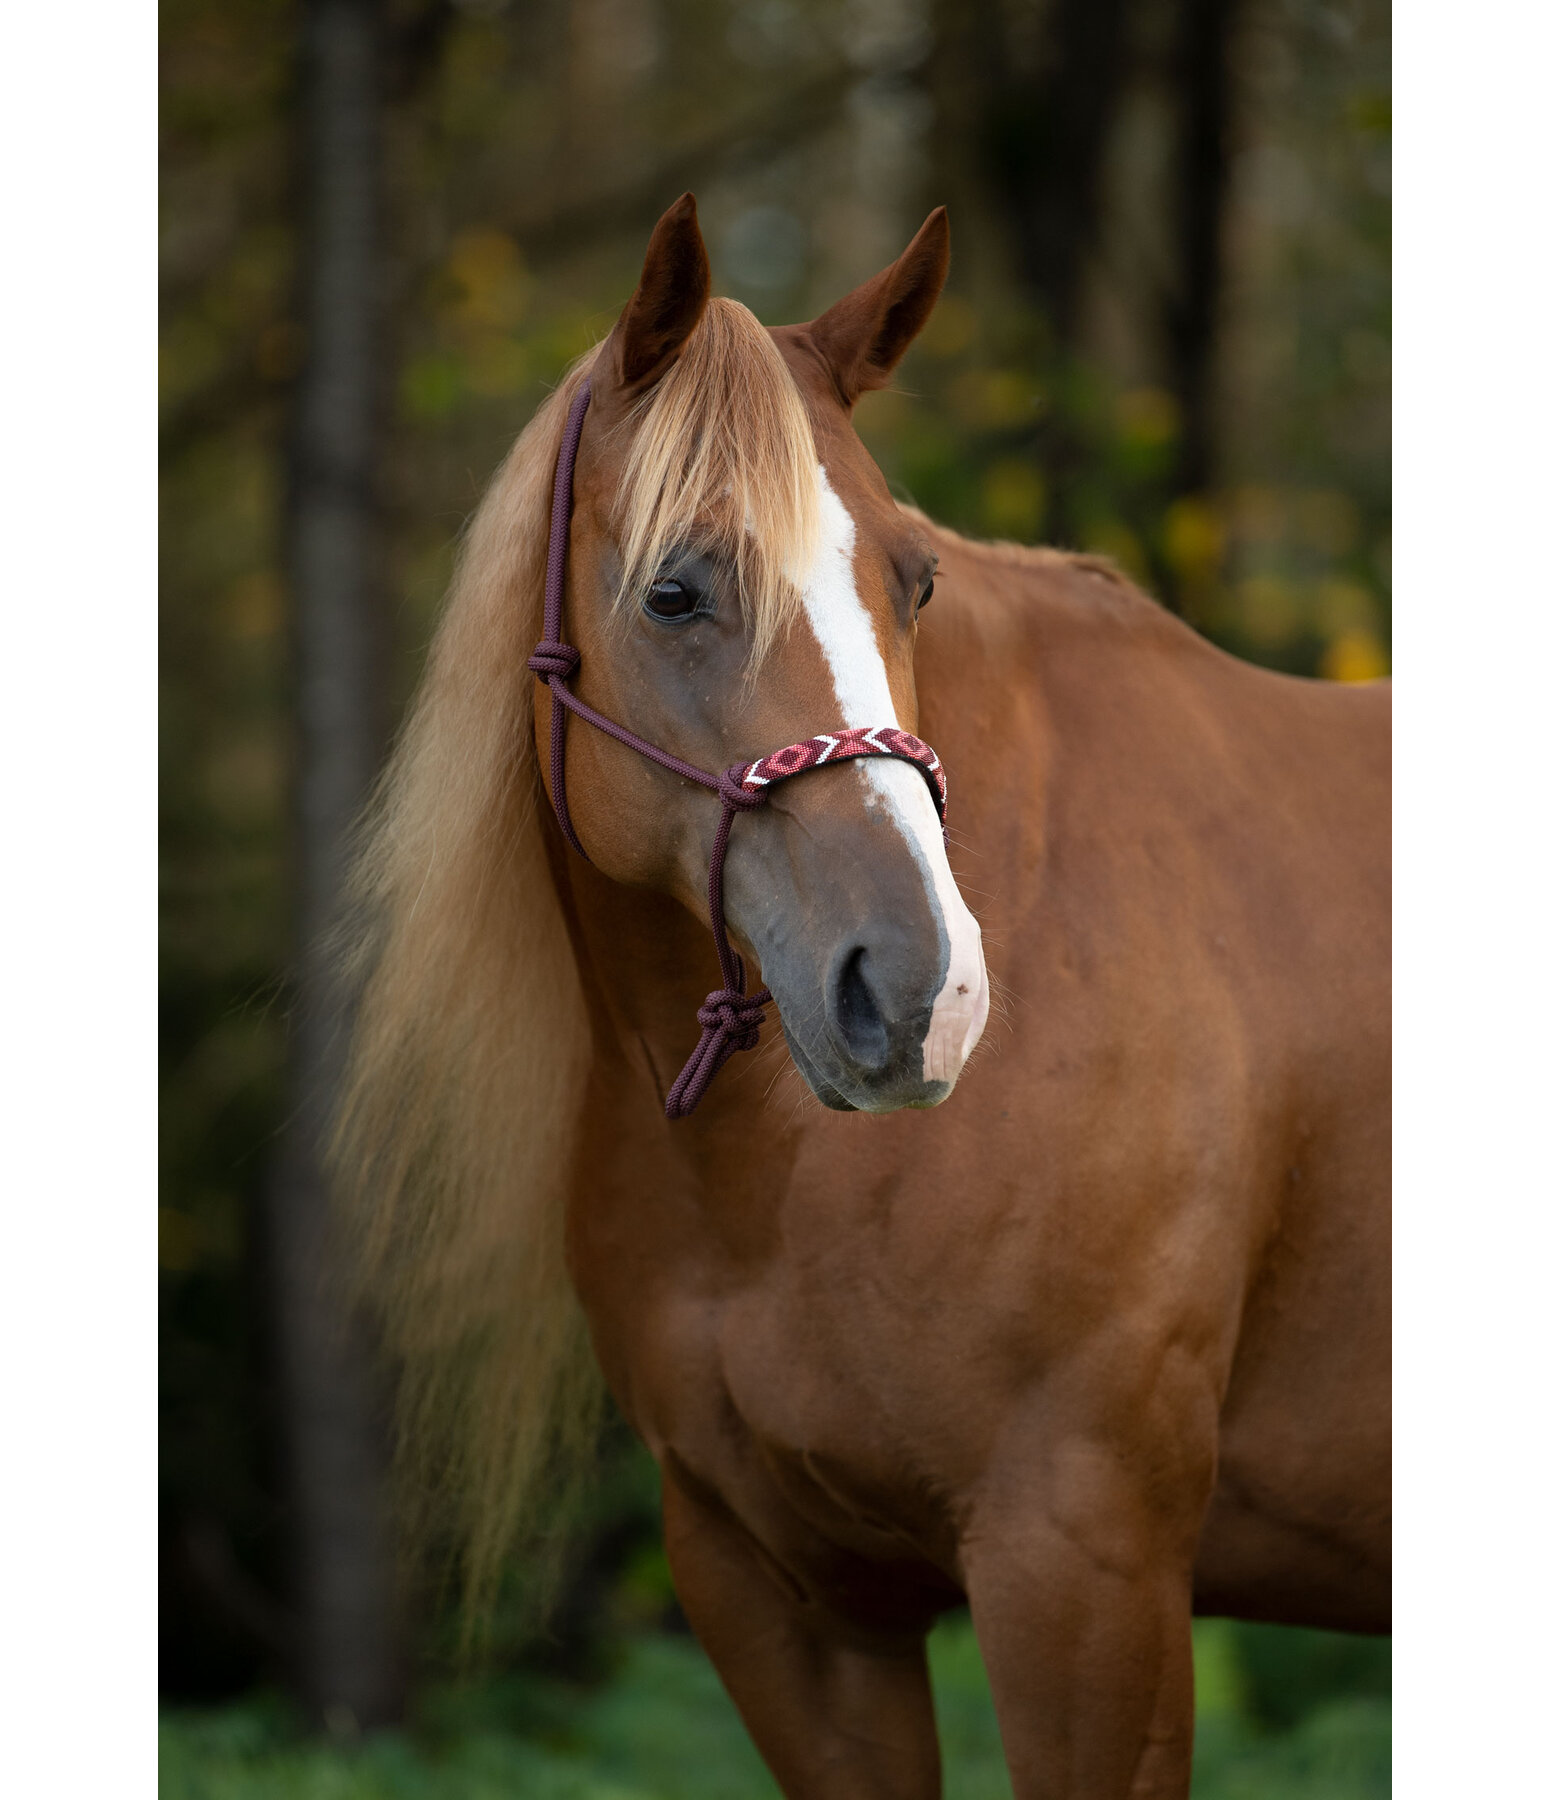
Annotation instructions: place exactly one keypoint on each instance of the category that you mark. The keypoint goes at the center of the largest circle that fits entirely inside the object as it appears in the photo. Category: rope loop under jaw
(729, 1021)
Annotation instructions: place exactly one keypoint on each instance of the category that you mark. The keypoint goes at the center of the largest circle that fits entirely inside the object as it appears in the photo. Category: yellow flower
(1353, 656)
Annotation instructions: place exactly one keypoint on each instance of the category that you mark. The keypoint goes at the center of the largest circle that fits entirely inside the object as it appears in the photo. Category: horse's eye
(926, 593)
(671, 600)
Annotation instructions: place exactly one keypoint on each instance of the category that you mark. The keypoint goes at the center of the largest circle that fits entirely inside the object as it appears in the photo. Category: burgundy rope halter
(731, 1017)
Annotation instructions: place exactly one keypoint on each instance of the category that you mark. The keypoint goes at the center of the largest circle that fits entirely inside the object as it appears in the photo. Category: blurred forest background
(388, 225)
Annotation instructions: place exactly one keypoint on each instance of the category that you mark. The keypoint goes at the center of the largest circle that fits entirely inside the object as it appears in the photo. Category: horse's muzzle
(873, 959)
(884, 1041)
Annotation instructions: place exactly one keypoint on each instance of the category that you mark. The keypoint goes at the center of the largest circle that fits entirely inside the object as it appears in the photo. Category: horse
(1040, 1260)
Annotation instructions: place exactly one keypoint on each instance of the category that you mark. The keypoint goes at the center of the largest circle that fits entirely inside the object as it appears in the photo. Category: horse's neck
(671, 1197)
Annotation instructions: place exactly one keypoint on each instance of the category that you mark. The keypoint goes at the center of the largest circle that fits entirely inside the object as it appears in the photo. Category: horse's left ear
(863, 336)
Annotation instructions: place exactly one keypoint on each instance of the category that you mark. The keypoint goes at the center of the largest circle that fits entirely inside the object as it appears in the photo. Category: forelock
(723, 455)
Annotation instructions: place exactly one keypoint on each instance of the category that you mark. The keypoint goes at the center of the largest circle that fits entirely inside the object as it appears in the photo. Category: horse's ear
(667, 304)
(864, 335)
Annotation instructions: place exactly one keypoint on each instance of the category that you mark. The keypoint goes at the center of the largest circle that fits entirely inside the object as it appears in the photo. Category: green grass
(1280, 1716)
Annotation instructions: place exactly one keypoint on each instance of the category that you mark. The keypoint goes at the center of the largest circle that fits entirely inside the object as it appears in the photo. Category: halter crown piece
(731, 1017)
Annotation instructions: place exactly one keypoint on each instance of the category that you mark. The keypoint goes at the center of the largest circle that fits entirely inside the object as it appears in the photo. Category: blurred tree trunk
(1043, 132)
(1203, 84)
(1043, 125)
(331, 1423)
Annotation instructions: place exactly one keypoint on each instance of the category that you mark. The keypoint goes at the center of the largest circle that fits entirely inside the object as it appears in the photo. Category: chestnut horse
(1100, 1344)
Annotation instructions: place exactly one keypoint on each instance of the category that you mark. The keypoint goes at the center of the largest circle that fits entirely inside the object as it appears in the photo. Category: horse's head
(740, 579)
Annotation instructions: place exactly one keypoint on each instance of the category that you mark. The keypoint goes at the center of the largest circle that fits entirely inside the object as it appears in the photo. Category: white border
(1472, 652)
(1472, 841)
(77, 744)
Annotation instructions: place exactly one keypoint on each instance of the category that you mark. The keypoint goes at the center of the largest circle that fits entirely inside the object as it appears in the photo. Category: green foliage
(1288, 1674)
(663, 1729)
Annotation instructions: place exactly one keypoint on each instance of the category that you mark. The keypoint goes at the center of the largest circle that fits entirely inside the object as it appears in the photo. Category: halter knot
(551, 658)
(734, 796)
(729, 1022)
(739, 1016)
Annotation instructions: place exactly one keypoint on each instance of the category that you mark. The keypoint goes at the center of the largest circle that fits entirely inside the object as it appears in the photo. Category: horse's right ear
(667, 304)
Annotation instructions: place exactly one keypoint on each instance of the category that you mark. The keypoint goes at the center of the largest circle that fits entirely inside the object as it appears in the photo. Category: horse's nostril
(857, 1016)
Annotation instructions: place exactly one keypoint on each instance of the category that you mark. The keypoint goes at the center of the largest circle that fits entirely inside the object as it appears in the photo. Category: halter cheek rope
(731, 1017)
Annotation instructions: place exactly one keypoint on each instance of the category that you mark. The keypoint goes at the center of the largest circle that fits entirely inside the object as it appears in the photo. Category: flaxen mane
(471, 1040)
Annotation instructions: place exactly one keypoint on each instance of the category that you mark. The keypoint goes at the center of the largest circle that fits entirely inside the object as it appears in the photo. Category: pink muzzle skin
(730, 1017)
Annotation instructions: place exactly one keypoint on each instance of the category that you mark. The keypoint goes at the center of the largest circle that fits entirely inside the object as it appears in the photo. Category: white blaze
(845, 633)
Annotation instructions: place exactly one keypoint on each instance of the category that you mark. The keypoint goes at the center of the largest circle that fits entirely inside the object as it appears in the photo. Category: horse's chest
(809, 1435)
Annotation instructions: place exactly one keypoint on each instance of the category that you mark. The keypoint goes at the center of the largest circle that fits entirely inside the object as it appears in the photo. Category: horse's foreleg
(1081, 1603)
(834, 1713)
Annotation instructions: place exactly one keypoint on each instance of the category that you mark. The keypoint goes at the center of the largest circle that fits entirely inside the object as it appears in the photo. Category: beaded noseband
(731, 1017)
